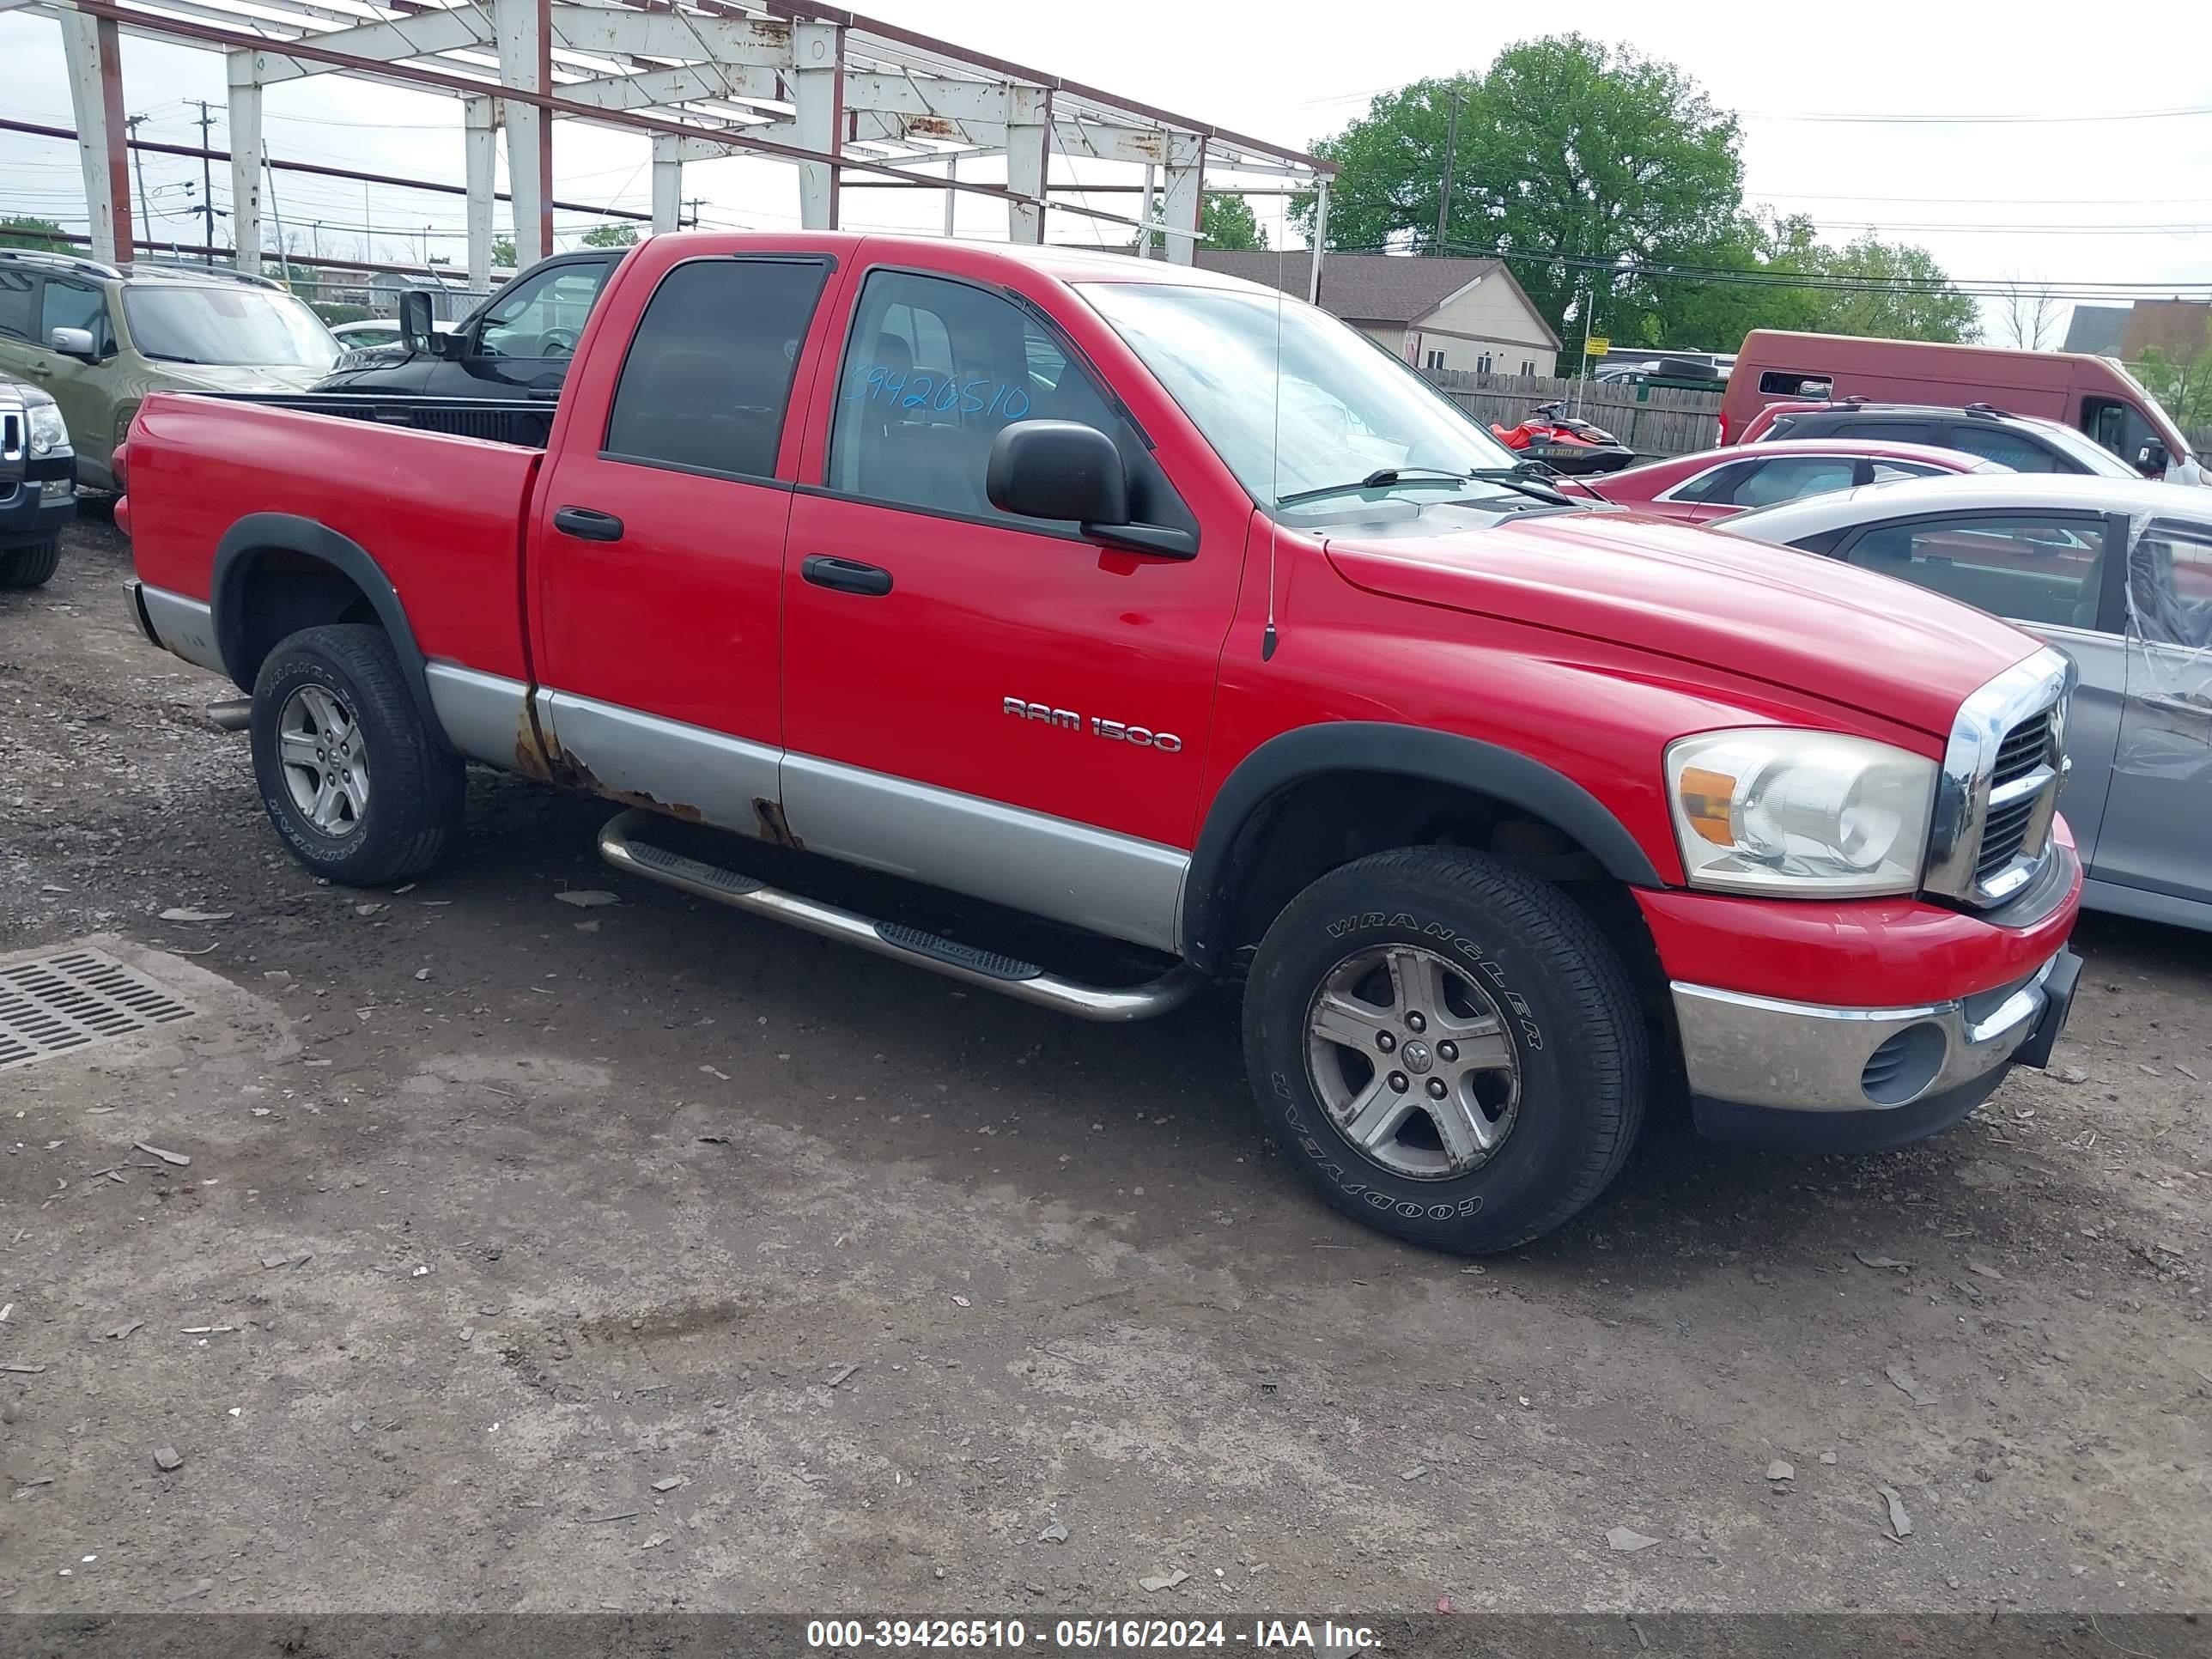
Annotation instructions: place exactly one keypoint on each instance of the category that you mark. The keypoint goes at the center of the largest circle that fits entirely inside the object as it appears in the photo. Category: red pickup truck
(1142, 600)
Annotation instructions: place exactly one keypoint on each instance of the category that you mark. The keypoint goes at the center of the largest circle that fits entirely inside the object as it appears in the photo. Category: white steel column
(521, 62)
(246, 163)
(818, 56)
(95, 78)
(1184, 199)
(480, 141)
(1319, 238)
(667, 182)
(1029, 128)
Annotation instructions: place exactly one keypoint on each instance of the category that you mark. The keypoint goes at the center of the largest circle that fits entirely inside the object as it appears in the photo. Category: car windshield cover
(1346, 409)
(227, 326)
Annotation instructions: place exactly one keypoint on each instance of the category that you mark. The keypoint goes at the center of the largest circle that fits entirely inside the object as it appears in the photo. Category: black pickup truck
(516, 345)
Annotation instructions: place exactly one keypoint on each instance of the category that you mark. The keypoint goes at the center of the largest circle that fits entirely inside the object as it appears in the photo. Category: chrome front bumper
(1805, 1057)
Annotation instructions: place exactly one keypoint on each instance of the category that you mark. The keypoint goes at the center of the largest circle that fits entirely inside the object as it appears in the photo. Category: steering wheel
(557, 343)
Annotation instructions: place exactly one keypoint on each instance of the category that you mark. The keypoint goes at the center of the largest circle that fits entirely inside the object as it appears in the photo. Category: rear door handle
(587, 524)
(847, 575)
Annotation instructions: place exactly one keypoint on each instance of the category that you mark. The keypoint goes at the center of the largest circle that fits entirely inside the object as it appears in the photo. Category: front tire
(1447, 1047)
(359, 788)
(31, 565)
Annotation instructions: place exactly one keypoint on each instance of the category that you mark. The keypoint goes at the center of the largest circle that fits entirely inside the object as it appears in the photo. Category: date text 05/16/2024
(1072, 1635)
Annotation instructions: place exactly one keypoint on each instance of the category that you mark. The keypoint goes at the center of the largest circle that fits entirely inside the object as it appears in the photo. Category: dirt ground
(647, 1256)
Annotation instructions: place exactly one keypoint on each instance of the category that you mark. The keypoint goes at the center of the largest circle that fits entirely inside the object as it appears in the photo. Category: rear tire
(1447, 1047)
(31, 565)
(381, 799)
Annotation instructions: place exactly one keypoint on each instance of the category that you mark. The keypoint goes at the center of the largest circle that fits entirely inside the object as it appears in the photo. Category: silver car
(2118, 573)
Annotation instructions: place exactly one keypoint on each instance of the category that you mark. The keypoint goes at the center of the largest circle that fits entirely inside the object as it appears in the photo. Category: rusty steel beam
(920, 42)
(471, 87)
(119, 157)
(193, 152)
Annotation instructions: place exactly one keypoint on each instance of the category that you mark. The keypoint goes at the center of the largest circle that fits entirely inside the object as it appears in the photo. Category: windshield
(215, 324)
(1346, 409)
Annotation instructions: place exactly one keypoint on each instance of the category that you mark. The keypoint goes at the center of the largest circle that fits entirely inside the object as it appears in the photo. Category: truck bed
(520, 420)
(442, 513)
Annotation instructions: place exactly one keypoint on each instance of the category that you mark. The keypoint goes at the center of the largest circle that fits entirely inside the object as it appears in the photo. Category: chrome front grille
(1999, 788)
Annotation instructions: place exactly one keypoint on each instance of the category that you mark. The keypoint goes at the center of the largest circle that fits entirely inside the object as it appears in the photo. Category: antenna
(1268, 639)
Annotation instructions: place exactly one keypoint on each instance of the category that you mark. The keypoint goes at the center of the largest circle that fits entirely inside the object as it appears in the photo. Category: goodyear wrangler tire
(1447, 1047)
(359, 788)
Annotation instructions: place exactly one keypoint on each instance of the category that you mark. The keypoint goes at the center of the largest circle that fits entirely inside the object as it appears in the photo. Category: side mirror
(74, 342)
(2151, 459)
(1058, 470)
(415, 330)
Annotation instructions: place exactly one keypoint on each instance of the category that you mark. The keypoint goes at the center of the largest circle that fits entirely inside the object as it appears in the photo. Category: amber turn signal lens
(1706, 796)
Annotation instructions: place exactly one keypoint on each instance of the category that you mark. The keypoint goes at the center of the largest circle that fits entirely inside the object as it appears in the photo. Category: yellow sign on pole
(1596, 346)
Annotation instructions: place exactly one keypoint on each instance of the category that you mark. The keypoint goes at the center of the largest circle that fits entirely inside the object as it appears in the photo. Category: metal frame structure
(830, 91)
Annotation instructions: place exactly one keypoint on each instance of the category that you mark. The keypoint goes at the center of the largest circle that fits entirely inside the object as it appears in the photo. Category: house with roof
(1434, 313)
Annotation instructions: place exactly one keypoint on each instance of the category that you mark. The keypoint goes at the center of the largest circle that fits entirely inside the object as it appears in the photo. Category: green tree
(1902, 294)
(2185, 387)
(1225, 222)
(1713, 313)
(23, 232)
(1567, 150)
(503, 252)
(616, 235)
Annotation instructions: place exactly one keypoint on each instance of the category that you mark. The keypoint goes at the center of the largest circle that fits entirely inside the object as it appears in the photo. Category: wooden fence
(1662, 421)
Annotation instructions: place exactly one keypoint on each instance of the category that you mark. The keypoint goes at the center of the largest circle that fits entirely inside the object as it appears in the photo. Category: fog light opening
(1905, 1064)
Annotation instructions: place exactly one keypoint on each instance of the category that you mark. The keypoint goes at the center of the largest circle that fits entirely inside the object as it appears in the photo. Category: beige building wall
(1495, 313)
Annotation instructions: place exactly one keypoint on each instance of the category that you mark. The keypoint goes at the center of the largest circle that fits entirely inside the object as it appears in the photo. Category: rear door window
(1994, 443)
(1892, 432)
(1789, 476)
(707, 381)
(2031, 568)
(18, 291)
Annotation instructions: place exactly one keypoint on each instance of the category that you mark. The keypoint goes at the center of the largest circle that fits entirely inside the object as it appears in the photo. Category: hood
(1795, 620)
(237, 377)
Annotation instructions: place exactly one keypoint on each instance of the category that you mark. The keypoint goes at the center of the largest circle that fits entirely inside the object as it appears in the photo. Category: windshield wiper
(1376, 480)
(1515, 479)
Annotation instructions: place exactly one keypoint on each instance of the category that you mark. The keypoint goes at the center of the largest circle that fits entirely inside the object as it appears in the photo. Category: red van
(2094, 395)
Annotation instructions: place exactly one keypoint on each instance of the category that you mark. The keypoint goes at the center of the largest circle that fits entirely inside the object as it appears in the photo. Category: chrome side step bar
(623, 844)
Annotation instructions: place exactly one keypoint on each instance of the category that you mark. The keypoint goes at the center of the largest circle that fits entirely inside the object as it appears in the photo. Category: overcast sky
(2104, 201)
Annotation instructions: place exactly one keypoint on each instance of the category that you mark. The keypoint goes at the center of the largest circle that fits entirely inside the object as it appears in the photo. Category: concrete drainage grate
(58, 1005)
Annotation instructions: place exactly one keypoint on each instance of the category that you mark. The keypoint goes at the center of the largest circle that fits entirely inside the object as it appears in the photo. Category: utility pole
(276, 215)
(207, 188)
(1590, 318)
(139, 169)
(695, 204)
(1443, 196)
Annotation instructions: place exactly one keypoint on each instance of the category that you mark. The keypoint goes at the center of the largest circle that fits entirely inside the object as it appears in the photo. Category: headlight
(1769, 810)
(49, 432)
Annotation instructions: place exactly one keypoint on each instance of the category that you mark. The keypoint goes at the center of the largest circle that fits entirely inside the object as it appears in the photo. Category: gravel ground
(646, 1256)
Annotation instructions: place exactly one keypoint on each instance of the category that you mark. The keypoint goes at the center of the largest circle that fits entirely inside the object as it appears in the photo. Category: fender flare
(1406, 751)
(288, 533)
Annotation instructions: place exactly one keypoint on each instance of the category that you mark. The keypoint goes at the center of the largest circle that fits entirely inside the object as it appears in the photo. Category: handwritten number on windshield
(904, 389)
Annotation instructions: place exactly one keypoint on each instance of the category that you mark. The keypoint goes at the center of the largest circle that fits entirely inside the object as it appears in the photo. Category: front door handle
(846, 575)
(587, 524)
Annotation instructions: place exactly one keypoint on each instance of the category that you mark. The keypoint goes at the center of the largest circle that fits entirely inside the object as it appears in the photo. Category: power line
(1872, 118)
(1986, 288)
